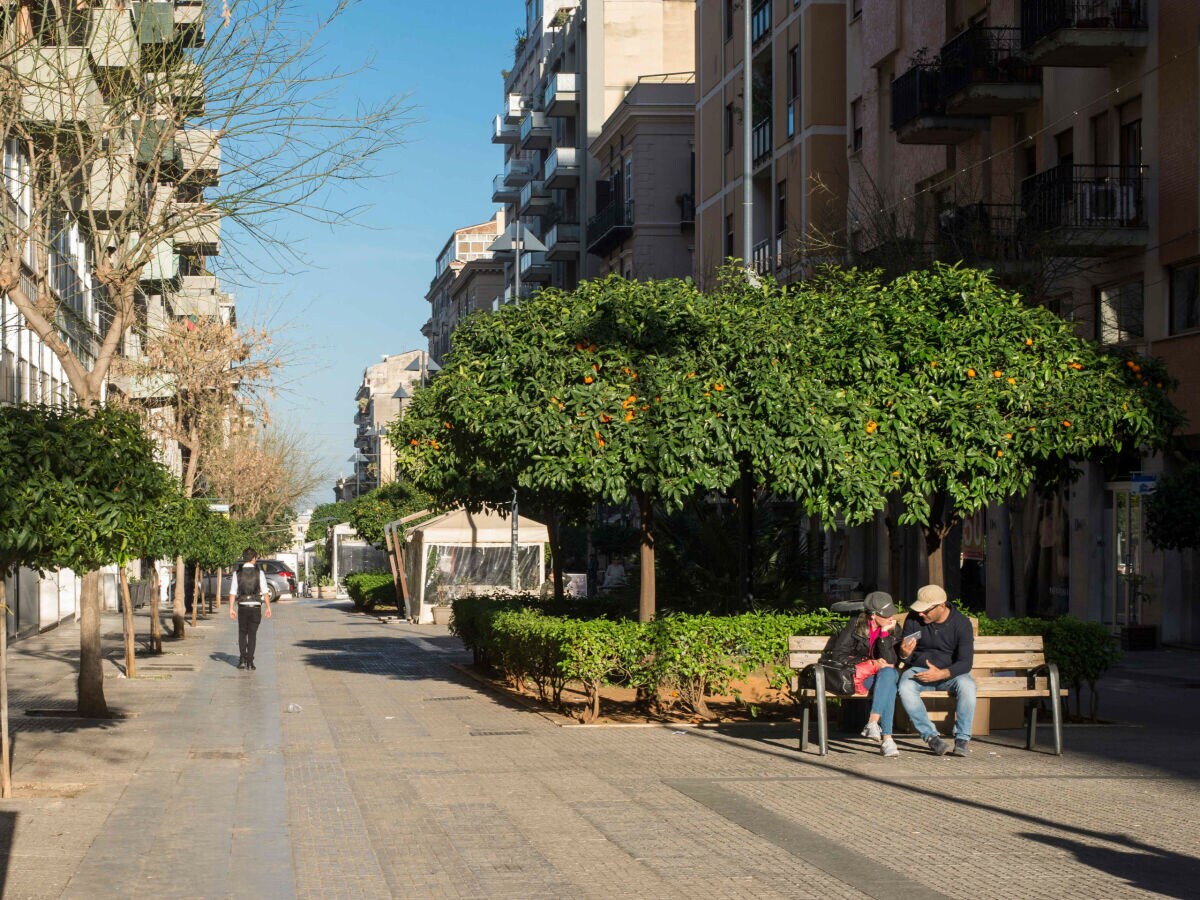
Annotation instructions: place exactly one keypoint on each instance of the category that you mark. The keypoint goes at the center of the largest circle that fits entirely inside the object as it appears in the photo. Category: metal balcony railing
(610, 226)
(916, 93)
(982, 55)
(982, 233)
(1040, 18)
(1083, 196)
(760, 141)
(760, 21)
(761, 257)
(687, 208)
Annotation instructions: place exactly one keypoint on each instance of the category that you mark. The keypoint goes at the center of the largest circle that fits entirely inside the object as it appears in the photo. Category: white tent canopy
(460, 552)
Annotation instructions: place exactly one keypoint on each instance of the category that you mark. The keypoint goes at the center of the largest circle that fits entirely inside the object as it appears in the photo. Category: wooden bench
(997, 662)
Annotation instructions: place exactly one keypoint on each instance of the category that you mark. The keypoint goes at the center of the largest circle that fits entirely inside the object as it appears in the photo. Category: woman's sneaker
(872, 731)
(889, 748)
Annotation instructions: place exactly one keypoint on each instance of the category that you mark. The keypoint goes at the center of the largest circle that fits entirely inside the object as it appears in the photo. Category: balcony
(983, 73)
(687, 211)
(517, 171)
(189, 22)
(57, 86)
(1082, 210)
(1086, 33)
(562, 168)
(535, 267)
(919, 113)
(180, 90)
(610, 227)
(761, 258)
(155, 21)
(156, 142)
(502, 132)
(986, 235)
(198, 228)
(148, 387)
(198, 295)
(199, 155)
(514, 109)
(561, 98)
(535, 133)
(163, 265)
(760, 142)
(562, 242)
(107, 190)
(760, 22)
(504, 193)
(112, 39)
(534, 199)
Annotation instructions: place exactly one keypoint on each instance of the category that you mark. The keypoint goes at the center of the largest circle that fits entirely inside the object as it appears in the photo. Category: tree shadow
(1139, 865)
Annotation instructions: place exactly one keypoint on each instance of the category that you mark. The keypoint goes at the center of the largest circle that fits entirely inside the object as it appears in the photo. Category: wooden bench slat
(800, 660)
(1009, 660)
(802, 642)
(1032, 642)
(941, 695)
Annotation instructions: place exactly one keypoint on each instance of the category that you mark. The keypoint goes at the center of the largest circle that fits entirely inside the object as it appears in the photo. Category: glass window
(856, 8)
(729, 236)
(781, 212)
(856, 127)
(728, 127)
(793, 89)
(1185, 298)
(1120, 318)
(629, 179)
(728, 19)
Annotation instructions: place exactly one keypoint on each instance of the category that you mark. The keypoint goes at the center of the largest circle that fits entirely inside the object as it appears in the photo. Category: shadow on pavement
(1139, 865)
(221, 656)
(8, 825)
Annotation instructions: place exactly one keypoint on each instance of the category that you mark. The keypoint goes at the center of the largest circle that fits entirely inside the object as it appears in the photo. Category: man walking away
(248, 589)
(939, 648)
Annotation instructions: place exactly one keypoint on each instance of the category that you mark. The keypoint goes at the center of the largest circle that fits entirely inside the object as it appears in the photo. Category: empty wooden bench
(1004, 668)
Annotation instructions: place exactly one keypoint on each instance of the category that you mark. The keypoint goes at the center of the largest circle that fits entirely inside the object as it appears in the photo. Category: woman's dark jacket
(853, 644)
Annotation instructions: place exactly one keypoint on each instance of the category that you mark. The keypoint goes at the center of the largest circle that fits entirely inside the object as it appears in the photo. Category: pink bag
(863, 671)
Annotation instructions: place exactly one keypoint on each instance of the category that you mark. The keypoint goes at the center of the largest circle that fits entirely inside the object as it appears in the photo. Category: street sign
(1142, 484)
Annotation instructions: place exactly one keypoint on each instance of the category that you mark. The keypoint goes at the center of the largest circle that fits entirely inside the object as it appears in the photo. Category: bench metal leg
(804, 727)
(1031, 718)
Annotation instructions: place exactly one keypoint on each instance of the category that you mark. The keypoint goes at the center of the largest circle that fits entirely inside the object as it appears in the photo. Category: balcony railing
(535, 132)
(687, 209)
(560, 98)
(1041, 18)
(916, 93)
(502, 132)
(517, 171)
(760, 141)
(760, 21)
(982, 55)
(987, 233)
(1088, 197)
(761, 257)
(562, 168)
(609, 227)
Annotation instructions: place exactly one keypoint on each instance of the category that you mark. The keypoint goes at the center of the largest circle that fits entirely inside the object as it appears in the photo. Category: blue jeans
(882, 686)
(961, 686)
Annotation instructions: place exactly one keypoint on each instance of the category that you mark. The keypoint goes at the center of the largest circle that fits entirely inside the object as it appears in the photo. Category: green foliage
(1083, 651)
(1172, 511)
(81, 488)
(373, 510)
(324, 515)
(371, 589)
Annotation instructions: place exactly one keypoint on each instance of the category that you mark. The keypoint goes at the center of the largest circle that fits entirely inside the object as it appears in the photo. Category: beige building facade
(381, 397)
(468, 277)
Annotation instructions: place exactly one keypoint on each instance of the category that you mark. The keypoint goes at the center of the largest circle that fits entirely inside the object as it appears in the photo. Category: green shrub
(1083, 651)
(367, 589)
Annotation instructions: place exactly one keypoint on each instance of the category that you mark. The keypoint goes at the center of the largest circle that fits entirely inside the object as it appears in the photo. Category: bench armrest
(1051, 672)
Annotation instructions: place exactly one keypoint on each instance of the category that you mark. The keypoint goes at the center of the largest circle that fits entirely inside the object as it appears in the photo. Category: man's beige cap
(928, 597)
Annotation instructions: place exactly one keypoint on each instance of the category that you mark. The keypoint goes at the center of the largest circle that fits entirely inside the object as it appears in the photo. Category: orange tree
(972, 397)
(608, 392)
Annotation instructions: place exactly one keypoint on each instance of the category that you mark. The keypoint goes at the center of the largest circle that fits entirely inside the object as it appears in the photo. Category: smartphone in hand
(912, 636)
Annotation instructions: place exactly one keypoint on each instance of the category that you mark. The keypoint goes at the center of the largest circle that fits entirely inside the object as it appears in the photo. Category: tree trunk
(745, 505)
(555, 534)
(90, 686)
(197, 593)
(220, 575)
(646, 599)
(155, 618)
(5, 761)
(178, 603)
(127, 624)
(933, 556)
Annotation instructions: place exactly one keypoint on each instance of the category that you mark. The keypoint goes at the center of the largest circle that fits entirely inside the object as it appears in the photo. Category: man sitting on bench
(939, 648)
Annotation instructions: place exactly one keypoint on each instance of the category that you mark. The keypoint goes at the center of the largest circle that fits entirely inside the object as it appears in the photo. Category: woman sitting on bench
(871, 637)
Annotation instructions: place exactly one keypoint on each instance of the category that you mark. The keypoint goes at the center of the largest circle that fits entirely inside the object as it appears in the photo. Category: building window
(729, 236)
(628, 168)
(1185, 298)
(856, 126)
(729, 127)
(1120, 313)
(793, 89)
(855, 8)
(729, 19)
(781, 213)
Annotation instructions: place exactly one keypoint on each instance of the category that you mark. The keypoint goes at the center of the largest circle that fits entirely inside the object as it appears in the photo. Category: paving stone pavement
(400, 777)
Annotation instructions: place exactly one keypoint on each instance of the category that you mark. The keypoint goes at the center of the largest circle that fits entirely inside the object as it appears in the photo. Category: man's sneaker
(889, 748)
(250, 666)
(961, 747)
(939, 745)
(871, 730)
(241, 664)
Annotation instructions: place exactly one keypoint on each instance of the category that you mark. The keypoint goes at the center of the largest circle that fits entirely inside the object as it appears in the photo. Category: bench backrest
(998, 654)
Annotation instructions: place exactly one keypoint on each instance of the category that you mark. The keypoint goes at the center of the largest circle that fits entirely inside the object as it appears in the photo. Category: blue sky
(364, 294)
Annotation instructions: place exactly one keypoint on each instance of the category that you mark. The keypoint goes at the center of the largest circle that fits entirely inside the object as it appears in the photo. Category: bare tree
(263, 473)
(134, 134)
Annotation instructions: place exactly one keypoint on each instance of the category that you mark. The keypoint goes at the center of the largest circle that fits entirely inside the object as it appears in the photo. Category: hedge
(688, 658)
(367, 589)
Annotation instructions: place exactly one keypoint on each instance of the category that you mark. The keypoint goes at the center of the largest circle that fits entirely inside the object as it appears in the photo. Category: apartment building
(573, 65)
(64, 58)
(467, 278)
(1054, 142)
(381, 397)
(646, 156)
(793, 158)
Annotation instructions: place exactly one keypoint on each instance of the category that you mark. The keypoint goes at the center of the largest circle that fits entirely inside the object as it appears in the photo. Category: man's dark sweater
(950, 645)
